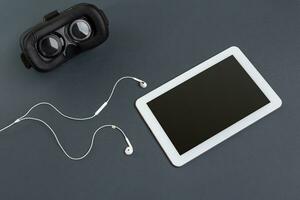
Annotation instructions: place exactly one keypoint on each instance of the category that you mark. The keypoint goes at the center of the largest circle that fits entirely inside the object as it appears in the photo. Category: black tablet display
(206, 104)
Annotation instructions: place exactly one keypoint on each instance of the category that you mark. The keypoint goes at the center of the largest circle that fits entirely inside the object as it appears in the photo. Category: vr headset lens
(50, 46)
(80, 30)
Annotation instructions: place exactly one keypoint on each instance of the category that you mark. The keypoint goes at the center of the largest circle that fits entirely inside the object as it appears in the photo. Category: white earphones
(143, 84)
(128, 149)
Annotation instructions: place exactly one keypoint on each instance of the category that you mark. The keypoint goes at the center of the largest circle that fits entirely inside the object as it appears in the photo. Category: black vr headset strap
(51, 15)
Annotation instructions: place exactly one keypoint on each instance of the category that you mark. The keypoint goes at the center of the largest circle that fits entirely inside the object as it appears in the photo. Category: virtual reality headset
(63, 35)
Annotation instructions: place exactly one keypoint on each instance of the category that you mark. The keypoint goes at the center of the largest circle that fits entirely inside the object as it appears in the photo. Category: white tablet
(206, 105)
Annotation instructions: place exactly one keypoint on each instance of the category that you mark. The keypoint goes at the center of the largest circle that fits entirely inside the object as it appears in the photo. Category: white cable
(6, 127)
(128, 150)
(58, 141)
(82, 118)
(58, 111)
(117, 82)
(78, 118)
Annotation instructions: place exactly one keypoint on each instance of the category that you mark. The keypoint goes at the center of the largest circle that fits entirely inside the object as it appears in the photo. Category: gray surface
(155, 40)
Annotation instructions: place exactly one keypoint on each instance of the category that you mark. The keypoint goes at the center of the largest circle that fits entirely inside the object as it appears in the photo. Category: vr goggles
(63, 35)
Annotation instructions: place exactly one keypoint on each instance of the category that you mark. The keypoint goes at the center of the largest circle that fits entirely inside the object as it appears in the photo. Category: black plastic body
(58, 22)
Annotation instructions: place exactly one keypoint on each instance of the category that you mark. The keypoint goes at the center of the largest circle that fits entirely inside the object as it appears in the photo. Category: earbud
(143, 84)
(129, 149)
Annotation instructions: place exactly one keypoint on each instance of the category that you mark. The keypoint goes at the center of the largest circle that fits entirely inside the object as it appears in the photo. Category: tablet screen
(206, 104)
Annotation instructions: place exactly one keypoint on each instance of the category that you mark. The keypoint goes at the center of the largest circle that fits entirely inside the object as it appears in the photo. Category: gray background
(155, 40)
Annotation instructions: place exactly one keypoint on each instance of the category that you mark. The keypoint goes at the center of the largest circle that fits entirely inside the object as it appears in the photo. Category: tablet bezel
(166, 144)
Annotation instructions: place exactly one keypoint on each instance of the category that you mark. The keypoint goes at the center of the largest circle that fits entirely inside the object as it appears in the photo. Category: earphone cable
(115, 85)
(60, 144)
(58, 111)
(70, 117)
(25, 117)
